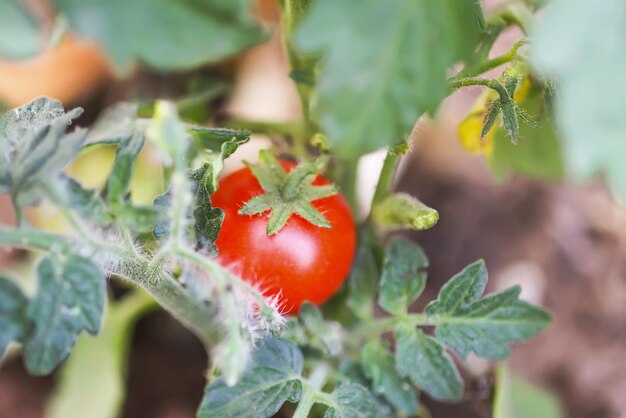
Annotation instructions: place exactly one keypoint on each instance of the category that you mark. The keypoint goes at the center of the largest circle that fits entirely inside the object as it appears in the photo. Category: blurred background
(565, 244)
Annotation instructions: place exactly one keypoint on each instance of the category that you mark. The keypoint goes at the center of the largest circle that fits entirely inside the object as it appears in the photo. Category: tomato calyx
(287, 193)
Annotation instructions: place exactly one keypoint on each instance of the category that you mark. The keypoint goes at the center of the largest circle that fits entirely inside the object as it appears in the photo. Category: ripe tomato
(302, 262)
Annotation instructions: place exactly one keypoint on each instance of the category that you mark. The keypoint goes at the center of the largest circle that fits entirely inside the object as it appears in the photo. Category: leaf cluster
(373, 379)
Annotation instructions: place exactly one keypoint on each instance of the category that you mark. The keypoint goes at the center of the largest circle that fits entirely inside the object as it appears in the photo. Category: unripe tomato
(302, 262)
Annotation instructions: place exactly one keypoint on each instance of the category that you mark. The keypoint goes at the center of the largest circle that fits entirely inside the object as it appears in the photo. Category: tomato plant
(230, 255)
(301, 261)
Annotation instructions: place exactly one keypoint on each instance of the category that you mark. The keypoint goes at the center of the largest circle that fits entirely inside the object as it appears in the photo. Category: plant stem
(195, 315)
(386, 324)
(292, 129)
(33, 239)
(306, 403)
(220, 273)
(19, 212)
(492, 63)
(312, 393)
(385, 181)
(292, 14)
(479, 81)
(163, 288)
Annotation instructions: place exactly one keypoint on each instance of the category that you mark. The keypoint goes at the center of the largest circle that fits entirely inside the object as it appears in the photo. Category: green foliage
(323, 335)
(13, 322)
(379, 366)
(19, 32)
(118, 184)
(92, 381)
(403, 277)
(424, 360)
(370, 90)
(581, 49)
(272, 378)
(363, 284)
(69, 300)
(35, 147)
(538, 151)
(463, 322)
(352, 401)
(486, 326)
(366, 70)
(71, 289)
(228, 142)
(403, 211)
(205, 220)
(169, 35)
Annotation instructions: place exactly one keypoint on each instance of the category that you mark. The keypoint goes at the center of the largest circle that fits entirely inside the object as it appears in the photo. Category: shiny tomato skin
(302, 262)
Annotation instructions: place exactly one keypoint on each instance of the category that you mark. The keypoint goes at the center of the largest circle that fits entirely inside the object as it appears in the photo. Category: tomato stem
(385, 181)
(492, 63)
(380, 326)
(312, 391)
(291, 129)
(479, 81)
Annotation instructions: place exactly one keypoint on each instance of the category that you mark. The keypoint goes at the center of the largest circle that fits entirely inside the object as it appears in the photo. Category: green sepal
(491, 115)
(403, 211)
(287, 193)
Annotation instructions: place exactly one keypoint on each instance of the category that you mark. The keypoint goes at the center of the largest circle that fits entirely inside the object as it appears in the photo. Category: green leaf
(215, 159)
(486, 326)
(272, 378)
(87, 203)
(116, 123)
(118, 183)
(403, 277)
(207, 220)
(491, 116)
(92, 382)
(509, 120)
(35, 146)
(384, 64)
(352, 371)
(169, 134)
(326, 336)
(212, 139)
(353, 401)
(426, 362)
(70, 299)
(403, 211)
(581, 49)
(378, 365)
(538, 152)
(209, 30)
(363, 284)
(14, 324)
(516, 398)
(20, 35)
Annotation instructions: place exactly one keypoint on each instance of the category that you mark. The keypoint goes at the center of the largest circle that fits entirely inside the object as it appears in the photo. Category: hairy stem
(479, 81)
(33, 239)
(485, 66)
(163, 288)
(292, 129)
(292, 15)
(380, 326)
(220, 273)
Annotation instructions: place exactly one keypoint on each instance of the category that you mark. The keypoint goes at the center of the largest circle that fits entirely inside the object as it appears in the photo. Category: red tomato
(302, 262)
